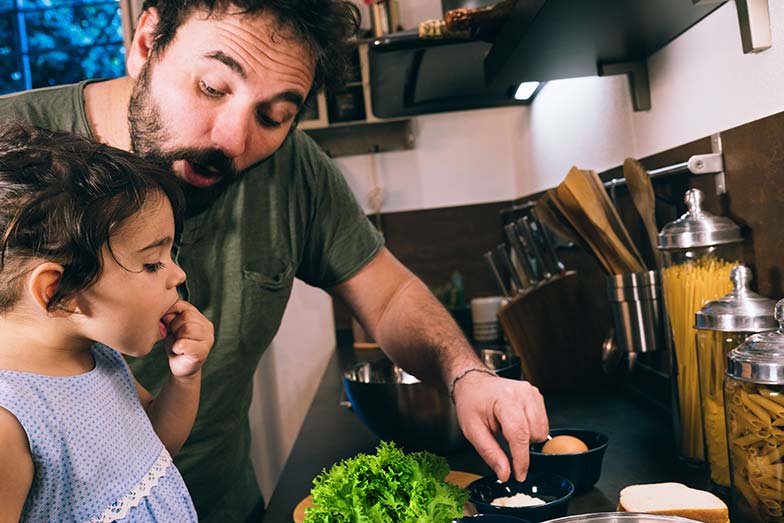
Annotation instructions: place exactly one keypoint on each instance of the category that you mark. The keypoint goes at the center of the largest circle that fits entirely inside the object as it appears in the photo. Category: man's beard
(148, 132)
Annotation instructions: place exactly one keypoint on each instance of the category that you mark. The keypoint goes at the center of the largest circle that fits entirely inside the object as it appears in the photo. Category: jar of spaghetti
(698, 251)
(723, 325)
(754, 408)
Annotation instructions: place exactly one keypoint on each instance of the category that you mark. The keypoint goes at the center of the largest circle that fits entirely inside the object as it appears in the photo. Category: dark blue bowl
(490, 518)
(555, 491)
(582, 469)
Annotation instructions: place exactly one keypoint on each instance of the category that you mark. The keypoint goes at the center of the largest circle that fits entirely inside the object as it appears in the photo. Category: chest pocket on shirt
(266, 287)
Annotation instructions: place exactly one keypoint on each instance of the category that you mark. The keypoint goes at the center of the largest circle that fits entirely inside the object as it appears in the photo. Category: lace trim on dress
(120, 508)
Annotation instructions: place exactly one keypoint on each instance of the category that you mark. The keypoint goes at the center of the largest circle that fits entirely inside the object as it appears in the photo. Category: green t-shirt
(292, 215)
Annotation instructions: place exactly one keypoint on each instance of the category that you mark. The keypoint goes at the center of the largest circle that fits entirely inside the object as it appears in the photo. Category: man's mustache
(204, 159)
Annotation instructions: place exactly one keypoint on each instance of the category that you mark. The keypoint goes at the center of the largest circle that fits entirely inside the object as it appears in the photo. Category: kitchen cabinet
(342, 122)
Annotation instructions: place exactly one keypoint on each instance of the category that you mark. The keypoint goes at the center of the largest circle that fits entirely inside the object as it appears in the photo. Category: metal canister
(754, 409)
(698, 251)
(637, 310)
(723, 325)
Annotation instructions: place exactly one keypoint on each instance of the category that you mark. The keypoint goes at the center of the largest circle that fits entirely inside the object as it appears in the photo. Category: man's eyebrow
(228, 61)
(293, 97)
(287, 96)
(166, 240)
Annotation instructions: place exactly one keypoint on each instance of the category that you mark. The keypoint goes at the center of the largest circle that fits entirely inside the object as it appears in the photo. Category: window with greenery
(53, 42)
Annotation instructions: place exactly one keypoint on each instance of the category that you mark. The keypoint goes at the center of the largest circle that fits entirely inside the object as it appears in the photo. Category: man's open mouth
(198, 175)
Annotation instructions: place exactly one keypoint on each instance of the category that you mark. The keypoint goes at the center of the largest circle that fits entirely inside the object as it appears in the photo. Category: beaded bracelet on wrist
(463, 374)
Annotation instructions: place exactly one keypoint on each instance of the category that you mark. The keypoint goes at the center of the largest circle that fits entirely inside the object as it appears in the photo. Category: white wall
(460, 158)
(286, 380)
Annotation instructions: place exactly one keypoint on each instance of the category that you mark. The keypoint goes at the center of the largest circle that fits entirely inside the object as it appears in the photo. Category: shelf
(554, 39)
(353, 138)
(411, 75)
(541, 40)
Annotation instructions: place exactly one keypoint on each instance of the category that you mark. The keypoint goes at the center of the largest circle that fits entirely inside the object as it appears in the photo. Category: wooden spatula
(641, 191)
(598, 242)
(598, 222)
(612, 215)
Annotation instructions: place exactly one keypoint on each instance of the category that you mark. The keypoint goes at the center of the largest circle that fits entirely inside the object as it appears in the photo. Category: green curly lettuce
(388, 486)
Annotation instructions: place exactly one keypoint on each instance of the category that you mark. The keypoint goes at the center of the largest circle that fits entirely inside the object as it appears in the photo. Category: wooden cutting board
(456, 477)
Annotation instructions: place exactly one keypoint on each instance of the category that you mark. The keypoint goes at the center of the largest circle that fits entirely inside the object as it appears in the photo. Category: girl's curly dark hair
(61, 198)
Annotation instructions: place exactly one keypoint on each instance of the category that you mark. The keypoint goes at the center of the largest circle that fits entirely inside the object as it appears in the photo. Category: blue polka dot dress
(95, 453)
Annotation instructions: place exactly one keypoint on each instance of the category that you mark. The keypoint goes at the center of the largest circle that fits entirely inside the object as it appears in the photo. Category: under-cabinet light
(525, 90)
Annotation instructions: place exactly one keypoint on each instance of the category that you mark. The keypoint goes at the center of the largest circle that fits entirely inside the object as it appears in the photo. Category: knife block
(547, 327)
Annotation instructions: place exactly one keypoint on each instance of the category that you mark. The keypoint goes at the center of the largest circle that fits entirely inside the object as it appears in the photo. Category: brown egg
(564, 445)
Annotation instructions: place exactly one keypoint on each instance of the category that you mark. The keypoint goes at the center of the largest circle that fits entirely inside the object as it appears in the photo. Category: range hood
(541, 40)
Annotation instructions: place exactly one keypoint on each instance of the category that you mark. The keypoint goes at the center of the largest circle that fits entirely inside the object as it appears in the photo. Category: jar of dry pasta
(723, 325)
(698, 251)
(754, 407)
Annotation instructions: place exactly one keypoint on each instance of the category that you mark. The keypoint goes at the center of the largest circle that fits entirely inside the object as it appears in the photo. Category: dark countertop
(640, 449)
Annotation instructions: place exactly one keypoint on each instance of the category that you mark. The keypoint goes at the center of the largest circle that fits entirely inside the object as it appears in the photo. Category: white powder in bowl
(518, 500)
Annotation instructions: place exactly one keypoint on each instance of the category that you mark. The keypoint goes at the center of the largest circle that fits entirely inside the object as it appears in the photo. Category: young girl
(85, 272)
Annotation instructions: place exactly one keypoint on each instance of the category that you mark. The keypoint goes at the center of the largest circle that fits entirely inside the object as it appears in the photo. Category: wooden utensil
(596, 219)
(455, 477)
(570, 208)
(612, 214)
(641, 190)
(555, 220)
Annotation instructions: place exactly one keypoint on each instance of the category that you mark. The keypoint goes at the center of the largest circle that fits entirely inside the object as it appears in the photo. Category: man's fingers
(515, 427)
(538, 423)
(487, 447)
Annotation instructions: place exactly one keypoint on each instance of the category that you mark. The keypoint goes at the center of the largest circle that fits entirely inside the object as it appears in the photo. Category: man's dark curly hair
(324, 26)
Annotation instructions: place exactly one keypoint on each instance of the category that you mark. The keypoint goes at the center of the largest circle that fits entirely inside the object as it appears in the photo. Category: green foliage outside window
(53, 42)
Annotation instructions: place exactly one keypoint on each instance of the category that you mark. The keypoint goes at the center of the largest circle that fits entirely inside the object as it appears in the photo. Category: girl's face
(138, 283)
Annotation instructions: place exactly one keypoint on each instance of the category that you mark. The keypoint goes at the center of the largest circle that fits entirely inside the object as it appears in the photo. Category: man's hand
(486, 404)
(189, 341)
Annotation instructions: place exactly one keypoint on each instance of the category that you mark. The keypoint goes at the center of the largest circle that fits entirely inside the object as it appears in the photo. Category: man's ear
(43, 282)
(142, 43)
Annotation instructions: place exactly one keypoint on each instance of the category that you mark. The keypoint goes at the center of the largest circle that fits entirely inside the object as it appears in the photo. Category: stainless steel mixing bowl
(396, 406)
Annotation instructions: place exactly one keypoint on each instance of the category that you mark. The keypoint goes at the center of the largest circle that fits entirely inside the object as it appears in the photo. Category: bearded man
(212, 92)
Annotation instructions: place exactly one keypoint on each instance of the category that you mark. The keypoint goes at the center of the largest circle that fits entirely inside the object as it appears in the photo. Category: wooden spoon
(641, 191)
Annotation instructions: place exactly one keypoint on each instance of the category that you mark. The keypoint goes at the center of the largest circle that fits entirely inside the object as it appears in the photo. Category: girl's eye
(209, 91)
(154, 267)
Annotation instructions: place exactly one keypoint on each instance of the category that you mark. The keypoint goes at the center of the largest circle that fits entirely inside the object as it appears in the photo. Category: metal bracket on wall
(637, 72)
(754, 21)
(712, 163)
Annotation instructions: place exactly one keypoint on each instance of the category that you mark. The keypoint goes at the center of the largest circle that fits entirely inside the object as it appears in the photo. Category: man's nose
(230, 135)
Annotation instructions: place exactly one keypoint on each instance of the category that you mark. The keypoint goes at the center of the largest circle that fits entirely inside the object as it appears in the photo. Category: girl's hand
(189, 340)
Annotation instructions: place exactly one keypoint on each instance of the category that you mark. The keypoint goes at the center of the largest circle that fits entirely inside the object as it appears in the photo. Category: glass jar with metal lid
(723, 325)
(754, 407)
(698, 251)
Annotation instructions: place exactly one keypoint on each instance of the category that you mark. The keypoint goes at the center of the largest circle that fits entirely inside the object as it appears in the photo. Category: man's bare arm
(418, 334)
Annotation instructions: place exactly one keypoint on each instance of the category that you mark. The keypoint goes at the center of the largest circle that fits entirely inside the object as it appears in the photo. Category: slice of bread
(674, 499)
